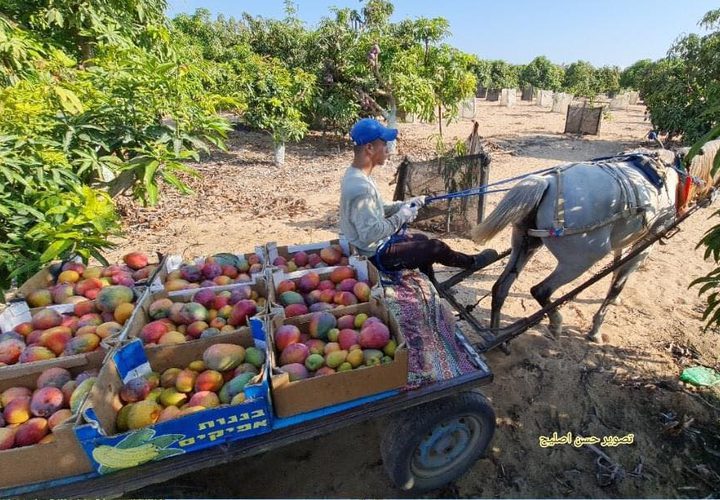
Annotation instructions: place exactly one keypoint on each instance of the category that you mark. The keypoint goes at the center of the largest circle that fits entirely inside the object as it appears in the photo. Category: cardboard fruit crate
(175, 262)
(300, 396)
(142, 317)
(194, 431)
(47, 277)
(287, 252)
(19, 312)
(364, 271)
(44, 462)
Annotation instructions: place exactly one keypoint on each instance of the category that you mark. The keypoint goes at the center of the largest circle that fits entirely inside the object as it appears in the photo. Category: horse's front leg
(523, 248)
(620, 277)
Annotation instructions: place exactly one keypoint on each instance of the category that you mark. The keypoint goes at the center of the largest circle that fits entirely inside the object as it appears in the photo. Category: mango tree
(542, 74)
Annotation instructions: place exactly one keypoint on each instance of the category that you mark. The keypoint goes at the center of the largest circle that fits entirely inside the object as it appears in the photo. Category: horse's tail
(520, 201)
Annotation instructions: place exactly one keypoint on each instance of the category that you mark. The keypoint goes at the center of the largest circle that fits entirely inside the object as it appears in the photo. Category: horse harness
(649, 165)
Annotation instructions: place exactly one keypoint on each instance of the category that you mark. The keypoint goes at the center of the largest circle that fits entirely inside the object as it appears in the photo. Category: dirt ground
(627, 384)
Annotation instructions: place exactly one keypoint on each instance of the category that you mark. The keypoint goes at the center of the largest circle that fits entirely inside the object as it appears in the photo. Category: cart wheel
(431, 445)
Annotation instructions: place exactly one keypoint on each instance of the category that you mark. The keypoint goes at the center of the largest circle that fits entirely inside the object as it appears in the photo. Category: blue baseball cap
(369, 129)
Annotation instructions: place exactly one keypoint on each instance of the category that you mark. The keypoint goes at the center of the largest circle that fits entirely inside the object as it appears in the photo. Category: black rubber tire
(405, 432)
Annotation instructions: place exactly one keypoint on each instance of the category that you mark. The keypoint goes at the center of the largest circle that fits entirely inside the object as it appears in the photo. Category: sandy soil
(624, 385)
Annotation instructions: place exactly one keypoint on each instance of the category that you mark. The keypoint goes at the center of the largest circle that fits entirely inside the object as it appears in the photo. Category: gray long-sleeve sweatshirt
(365, 220)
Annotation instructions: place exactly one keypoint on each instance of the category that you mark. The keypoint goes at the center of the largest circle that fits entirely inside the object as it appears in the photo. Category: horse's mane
(701, 166)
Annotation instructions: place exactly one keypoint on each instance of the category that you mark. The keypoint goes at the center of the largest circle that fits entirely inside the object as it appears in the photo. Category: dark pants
(419, 251)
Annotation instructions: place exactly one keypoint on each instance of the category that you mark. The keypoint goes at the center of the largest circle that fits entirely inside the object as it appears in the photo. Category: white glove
(418, 201)
(408, 213)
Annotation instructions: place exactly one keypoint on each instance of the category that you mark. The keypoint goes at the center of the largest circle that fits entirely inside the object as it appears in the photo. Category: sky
(609, 32)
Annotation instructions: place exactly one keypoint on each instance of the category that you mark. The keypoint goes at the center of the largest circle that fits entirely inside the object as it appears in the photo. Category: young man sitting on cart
(371, 225)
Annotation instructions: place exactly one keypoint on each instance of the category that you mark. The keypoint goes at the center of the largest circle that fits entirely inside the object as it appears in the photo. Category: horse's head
(700, 170)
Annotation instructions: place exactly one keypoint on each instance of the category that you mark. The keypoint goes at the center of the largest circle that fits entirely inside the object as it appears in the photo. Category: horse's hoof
(555, 331)
(593, 337)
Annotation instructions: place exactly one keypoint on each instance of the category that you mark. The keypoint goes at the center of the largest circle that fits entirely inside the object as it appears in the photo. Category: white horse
(583, 211)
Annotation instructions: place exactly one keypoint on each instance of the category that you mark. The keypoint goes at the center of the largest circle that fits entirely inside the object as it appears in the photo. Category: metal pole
(484, 179)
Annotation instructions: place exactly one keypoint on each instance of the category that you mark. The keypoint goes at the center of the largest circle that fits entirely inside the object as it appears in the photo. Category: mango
(169, 413)
(296, 309)
(108, 329)
(308, 282)
(31, 432)
(330, 255)
(341, 273)
(17, 411)
(347, 338)
(60, 293)
(296, 371)
(315, 346)
(122, 417)
(10, 351)
(374, 335)
(345, 299)
(314, 362)
(135, 389)
(208, 399)
(325, 370)
(67, 390)
(46, 318)
(39, 298)
(335, 358)
(320, 324)
(160, 308)
(331, 347)
(82, 344)
(362, 291)
(255, 356)
(35, 353)
(46, 401)
(205, 298)
(170, 396)
(355, 358)
(373, 357)
(173, 337)
(209, 380)
(294, 353)
(191, 312)
(58, 418)
(241, 311)
(238, 398)
(390, 348)
(154, 395)
(80, 392)
(53, 377)
(333, 335)
(7, 438)
(285, 286)
(234, 386)
(135, 260)
(346, 321)
(286, 335)
(198, 365)
(110, 297)
(185, 380)
(123, 312)
(142, 414)
(221, 357)
(56, 339)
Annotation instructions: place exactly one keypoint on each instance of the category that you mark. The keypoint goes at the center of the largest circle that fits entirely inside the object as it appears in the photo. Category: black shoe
(484, 258)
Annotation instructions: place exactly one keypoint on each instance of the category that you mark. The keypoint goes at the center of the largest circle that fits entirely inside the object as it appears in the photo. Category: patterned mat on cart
(429, 330)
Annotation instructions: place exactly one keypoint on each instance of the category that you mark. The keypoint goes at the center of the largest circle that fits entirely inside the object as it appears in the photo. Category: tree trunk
(392, 123)
(440, 119)
(279, 154)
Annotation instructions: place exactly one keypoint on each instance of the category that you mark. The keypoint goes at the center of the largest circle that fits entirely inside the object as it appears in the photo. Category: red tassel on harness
(682, 200)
